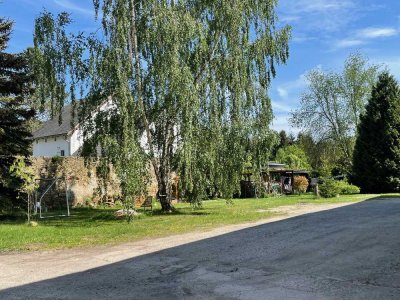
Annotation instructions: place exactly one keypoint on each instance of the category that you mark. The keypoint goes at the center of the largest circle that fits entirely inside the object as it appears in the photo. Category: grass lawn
(98, 226)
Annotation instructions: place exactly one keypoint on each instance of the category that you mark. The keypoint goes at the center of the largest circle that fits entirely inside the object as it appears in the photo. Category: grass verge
(88, 227)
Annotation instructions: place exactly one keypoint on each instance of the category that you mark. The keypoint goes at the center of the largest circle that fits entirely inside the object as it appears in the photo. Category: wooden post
(29, 208)
(292, 182)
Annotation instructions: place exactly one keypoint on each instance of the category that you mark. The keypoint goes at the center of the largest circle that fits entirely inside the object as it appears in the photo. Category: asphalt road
(352, 252)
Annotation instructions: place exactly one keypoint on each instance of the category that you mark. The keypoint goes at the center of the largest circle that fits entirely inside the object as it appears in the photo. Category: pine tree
(5, 31)
(15, 89)
(376, 161)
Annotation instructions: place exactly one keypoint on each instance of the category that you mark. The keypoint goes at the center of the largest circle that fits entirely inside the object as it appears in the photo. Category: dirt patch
(303, 208)
(35, 246)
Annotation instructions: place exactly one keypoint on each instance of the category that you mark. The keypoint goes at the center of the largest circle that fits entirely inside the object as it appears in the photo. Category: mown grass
(98, 226)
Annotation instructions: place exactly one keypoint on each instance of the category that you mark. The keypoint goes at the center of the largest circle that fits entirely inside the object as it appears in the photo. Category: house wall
(76, 142)
(51, 146)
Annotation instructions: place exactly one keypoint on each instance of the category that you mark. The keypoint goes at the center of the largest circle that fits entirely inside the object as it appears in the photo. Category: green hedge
(331, 188)
(347, 188)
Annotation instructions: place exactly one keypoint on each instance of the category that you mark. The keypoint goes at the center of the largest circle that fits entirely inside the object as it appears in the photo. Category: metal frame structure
(38, 204)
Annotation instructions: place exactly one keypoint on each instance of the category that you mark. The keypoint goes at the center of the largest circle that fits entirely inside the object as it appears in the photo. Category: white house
(54, 139)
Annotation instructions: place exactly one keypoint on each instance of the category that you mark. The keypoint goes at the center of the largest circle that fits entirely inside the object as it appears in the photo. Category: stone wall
(83, 182)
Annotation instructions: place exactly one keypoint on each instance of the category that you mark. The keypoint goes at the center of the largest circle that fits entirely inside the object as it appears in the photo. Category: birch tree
(188, 81)
(333, 102)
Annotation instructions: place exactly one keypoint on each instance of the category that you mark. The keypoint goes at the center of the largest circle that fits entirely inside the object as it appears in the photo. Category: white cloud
(280, 107)
(289, 19)
(363, 36)
(70, 5)
(287, 94)
(316, 6)
(348, 43)
(286, 89)
(318, 16)
(377, 32)
(281, 122)
(328, 21)
(283, 93)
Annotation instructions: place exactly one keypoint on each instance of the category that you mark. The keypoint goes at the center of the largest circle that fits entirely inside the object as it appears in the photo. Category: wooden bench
(148, 203)
(109, 203)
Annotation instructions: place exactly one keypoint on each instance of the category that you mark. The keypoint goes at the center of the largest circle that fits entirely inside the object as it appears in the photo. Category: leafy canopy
(331, 106)
(294, 157)
(188, 81)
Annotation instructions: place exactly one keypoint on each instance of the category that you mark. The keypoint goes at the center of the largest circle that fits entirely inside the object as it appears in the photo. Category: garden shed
(277, 178)
(281, 181)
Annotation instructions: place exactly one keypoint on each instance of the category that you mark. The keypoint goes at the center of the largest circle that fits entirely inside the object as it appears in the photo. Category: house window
(62, 153)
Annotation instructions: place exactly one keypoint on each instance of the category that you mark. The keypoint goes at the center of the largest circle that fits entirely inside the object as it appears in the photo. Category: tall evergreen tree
(376, 162)
(15, 88)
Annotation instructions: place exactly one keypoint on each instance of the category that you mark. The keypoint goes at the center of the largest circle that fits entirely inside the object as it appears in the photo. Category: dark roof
(289, 171)
(53, 128)
(273, 164)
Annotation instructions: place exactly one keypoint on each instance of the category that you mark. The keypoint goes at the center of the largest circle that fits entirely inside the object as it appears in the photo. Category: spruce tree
(376, 161)
(15, 89)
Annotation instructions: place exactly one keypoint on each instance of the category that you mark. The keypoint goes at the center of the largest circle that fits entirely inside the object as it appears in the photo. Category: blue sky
(325, 32)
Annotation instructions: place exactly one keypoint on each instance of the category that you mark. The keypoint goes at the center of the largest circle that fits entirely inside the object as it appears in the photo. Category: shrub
(329, 188)
(347, 188)
(300, 184)
(118, 204)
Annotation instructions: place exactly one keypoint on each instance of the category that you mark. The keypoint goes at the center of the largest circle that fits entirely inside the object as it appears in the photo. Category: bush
(300, 184)
(118, 204)
(347, 188)
(329, 188)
